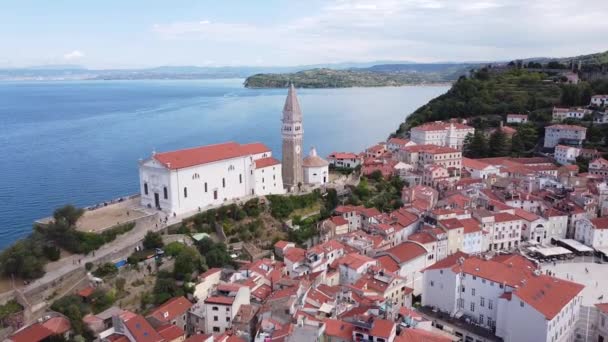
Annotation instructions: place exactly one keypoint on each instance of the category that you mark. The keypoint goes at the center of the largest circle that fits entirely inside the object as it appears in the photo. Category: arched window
(240, 178)
(223, 182)
(146, 188)
(205, 186)
(185, 192)
(165, 193)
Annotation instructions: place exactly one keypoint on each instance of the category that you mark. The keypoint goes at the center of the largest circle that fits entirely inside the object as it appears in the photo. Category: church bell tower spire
(292, 134)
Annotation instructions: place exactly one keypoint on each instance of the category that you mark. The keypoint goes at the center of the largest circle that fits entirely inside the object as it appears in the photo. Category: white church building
(182, 181)
(316, 169)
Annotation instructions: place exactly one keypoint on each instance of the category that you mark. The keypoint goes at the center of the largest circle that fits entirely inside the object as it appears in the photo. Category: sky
(148, 33)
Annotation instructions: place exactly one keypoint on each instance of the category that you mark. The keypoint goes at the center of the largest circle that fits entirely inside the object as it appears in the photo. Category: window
(480, 319)
(490, 305)
(240, 178)
(223, 182)
(216, 329)
(432, 283)
(472, 306)
(146, 188)
(482, 301)
(185, 192)
(215, 318)
(214, 308)
(165, 192)
(472, 292)
(227, 319)
(205, 186)
(521, 303)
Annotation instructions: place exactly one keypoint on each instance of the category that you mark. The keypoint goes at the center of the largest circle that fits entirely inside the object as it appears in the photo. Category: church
(193, 179)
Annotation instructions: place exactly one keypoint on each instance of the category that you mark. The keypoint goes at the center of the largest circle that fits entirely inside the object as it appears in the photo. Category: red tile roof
(398, 141)
(474, 164)
(207, 154)
(86, 292)
(171, 309)
(387, 263)
(343, 155)
(57, 325)
(548, 295)
(170, 332)
(450, 224)
(199, 338)
(354, 260)
(603, 307)
(440, 126)
(339, 329)
(470, 225)
(422, 238)
(418, 335)
(600, 222)
(505, 217)
(141, 330)
(34, 333)
(339, 220)
(295, 254)
(406, 251)
(382, 328)
(449, 262)
(266, 162)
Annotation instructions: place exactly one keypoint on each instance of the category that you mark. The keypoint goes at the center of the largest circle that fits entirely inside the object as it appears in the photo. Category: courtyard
(587, 271)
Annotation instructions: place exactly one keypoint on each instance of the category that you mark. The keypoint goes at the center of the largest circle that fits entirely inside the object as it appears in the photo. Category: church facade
(186, 180)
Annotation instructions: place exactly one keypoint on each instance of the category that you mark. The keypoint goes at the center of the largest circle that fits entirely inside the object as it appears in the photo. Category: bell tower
(292, 134)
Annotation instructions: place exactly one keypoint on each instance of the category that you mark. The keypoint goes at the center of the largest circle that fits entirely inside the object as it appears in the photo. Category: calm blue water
(79, 142)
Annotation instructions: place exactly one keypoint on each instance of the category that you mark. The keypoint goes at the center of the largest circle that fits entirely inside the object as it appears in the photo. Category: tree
(331, 199)
(68, 214)
(187, 261)
(475, 146)
(499, 144)
(153, 240)
(174, 248)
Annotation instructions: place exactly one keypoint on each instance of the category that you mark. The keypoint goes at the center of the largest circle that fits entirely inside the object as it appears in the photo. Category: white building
(222, 306)
(560, 114)
(479, 169)
(506, 294)
(316, 169)
(566, 154)
(344, 159)
(599, 100)
(517, 118)
(439, 133)
(407, 260)
(395, 144)
(567, 134)
(186, 180)
(593, 233)
(504, 229)
(599, 167)
(472, 242)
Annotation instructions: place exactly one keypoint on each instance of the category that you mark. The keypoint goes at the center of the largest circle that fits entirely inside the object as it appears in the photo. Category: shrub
(105, 270)
(88, 266)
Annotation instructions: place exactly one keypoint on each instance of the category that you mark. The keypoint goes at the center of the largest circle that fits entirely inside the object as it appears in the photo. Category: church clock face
(298, 149)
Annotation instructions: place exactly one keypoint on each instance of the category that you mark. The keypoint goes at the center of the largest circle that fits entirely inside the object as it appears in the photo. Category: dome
(313, 160)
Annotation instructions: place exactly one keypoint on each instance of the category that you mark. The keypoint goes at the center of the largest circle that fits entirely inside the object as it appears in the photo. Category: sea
(79, 142)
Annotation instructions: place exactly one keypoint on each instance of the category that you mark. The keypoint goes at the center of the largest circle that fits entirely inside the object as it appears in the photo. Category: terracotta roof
(57, 325)
(209, 272)
(223, 300)
(440, 126)
(281, 244)
(387, 263)
(399, 141)
(141, 330)
(172, 308)
(170, 332)
(354, 260)
(343, 155)
(422, 238)
(505, 217)
(86, 292)
(471, 225)
(406, 251)
(526, 215)
(34, 333)
(548, 295)
(339, 329)
(419, 335)
(603, 307)
(382, 328)
(208, 154)
(450, 224)
(450, 261)
(266, 162)
(338, 220)
(600, 222)
(295, 254)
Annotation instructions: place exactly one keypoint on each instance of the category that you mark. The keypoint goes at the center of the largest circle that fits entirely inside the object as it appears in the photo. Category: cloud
(73, 55)
(419, 30)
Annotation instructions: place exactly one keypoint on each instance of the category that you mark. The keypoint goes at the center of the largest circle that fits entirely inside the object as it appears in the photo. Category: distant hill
(374, 76)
